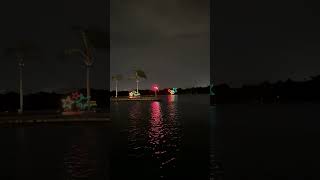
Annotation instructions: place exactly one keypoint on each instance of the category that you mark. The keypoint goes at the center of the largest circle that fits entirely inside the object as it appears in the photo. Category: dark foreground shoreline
(48, 117)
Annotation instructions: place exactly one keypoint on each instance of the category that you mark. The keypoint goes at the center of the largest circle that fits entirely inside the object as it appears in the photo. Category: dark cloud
(265, 40)
(168, 39)
(49, 25)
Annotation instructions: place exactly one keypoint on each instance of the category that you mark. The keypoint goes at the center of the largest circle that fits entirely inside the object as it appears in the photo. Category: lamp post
(21, 64)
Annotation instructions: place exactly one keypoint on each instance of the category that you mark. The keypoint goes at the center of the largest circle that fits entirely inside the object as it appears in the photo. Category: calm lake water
(55, 152)
(161, 140)
(268, 142)
(181, 137)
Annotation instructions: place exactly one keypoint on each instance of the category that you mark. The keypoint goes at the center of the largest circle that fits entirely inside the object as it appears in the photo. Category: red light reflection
(156, 126)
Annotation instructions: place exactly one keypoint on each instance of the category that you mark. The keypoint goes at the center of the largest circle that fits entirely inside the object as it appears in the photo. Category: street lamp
(21, 64)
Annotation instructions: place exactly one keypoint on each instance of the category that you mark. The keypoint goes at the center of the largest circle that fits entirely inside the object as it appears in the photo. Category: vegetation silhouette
(92, 38)
(288, 91)
(138, 75)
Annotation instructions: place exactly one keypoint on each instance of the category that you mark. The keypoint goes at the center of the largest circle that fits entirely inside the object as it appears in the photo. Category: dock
(143, 98)
(13, 118)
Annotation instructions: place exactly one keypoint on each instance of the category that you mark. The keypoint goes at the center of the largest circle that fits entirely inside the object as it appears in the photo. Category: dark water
(169, 140)
(161, 140)
(178, 138)
(268, 142)
(54, 152)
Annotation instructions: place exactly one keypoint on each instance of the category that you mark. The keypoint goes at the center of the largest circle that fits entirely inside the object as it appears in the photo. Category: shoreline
(143, 98)
(41, 117)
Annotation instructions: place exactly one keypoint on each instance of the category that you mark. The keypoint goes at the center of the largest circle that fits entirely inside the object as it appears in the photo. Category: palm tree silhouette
(138, 75)
(91, 39)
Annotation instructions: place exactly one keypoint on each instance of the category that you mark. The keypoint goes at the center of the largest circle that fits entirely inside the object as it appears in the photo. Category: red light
(155, 87)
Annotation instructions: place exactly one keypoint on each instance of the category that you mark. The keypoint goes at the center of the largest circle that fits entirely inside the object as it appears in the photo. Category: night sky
(168, 39)
(265, 40)
(48, 24)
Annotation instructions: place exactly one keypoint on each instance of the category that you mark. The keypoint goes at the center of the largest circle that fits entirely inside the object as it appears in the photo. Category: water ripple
(155, 134)
(78, 164)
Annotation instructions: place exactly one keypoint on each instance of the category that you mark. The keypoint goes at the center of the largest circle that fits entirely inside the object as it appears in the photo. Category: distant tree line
(148, 92)
(265, 92)
(288, 91)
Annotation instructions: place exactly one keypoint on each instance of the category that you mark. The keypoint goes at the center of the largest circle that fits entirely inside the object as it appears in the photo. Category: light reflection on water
(161, 140)
(155, 135)
(156, 128)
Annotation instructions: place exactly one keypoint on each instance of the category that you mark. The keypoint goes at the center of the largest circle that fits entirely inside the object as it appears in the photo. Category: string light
(134, 94)
(173, 91)
(211, 90)
(155, 87)
(77, 102)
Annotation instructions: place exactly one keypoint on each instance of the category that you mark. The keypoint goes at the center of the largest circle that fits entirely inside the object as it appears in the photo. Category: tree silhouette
(91, 39)
(138, 75)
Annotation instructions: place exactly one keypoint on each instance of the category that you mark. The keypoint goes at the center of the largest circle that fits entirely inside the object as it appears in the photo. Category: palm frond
(75, 51)
(96, 37)
(140, 74)
(117, 77)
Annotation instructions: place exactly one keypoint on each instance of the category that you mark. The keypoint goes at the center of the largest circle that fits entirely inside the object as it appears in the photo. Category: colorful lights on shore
(173, 91)
(211, 90)
(155, 87)
(133, 94)
(77, 102)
